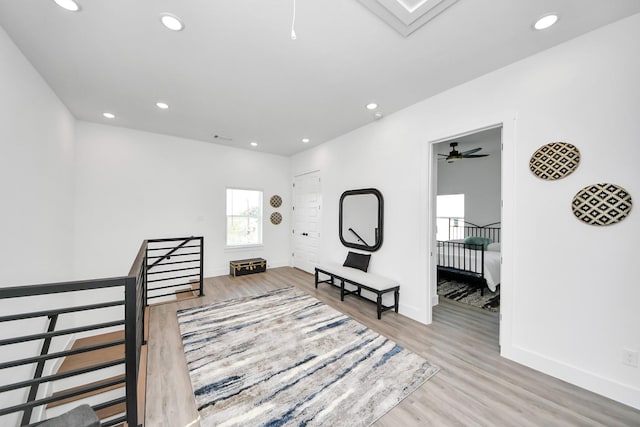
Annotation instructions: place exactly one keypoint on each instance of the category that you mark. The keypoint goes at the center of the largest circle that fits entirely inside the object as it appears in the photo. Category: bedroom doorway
(467, 219)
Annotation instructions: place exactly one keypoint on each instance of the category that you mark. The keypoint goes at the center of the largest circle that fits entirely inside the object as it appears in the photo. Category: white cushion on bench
(364, 278)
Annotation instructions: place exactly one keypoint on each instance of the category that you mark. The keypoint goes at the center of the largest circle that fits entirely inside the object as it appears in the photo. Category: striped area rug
(285, 358)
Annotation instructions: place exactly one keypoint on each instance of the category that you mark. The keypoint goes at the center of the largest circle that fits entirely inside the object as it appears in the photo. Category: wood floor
(475, 386)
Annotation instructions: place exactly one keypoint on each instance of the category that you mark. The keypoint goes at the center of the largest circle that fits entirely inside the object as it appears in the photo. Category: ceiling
(235, 72)
(489, 140)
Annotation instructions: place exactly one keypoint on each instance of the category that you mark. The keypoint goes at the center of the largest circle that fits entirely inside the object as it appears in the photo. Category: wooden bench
(362, 280)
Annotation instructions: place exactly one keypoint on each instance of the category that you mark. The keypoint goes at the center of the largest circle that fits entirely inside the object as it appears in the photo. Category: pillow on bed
(495, 247)
(359, 261)
(476, 240)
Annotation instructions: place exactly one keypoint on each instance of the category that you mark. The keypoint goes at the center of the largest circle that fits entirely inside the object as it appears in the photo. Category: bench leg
(379, 306)
(396, 295)
(316, 278)
(341, 290)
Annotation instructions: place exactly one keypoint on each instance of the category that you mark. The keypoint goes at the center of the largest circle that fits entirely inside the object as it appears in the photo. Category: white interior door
(307, 201)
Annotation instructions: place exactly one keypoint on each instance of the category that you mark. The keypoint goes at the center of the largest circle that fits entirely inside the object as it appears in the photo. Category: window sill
(242, 247)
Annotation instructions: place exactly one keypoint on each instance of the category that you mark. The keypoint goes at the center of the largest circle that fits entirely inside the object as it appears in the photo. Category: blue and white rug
(286, 359)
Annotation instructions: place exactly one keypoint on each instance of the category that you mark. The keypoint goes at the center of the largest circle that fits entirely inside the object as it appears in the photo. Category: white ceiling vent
(406, 16)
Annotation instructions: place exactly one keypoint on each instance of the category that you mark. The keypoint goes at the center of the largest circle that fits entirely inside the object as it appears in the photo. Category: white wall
(36, 175)
(569, 291)
(479, 180)
(134, 185)
(36, 183)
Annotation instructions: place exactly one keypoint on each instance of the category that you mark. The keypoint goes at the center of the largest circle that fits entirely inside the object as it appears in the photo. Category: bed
(473, 256)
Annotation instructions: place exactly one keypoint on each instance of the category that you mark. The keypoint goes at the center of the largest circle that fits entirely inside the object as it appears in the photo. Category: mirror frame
(362, 191)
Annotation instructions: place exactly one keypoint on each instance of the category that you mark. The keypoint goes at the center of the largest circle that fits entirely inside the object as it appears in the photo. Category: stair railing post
(145, 268)
(132, 352)
(202, 266)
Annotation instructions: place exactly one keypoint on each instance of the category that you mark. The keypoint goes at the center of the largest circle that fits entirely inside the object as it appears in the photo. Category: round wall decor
(275, 201)
(554, 161)
(602, 204)
(276, 218)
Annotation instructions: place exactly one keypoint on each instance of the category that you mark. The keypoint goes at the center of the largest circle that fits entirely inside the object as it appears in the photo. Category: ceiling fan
(456, 155)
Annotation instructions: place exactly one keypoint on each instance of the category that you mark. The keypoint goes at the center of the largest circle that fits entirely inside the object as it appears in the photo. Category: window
(450, 217)
(244, 217)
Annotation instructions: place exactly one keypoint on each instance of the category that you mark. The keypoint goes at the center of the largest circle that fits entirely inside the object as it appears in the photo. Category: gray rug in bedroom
(469, 294)
(286, 358)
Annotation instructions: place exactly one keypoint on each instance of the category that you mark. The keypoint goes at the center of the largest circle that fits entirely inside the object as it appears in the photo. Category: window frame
(457, 219)
(260, 219)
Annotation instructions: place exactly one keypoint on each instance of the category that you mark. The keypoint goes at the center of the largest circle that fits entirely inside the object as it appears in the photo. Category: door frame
(507, 182)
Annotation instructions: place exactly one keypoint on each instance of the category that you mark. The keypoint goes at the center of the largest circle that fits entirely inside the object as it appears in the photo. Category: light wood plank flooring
(475, 386)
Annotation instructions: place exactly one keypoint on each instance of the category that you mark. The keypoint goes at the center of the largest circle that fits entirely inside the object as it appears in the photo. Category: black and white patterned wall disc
(602, 204)
(275, 201)
(554, 161)
(276, 218)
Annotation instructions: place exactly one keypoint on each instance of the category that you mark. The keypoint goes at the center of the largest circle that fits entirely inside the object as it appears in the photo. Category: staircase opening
(73, 343)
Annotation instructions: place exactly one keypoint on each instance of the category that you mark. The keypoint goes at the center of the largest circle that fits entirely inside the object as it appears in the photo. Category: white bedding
(491, 264)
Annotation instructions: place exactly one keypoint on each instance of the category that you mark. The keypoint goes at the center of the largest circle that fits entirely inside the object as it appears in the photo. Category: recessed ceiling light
(372, 106)
(305, 140)
(172, 22)
(162, 105)
(108, 115)
(69, 5)
(546, 21)
(254, 144)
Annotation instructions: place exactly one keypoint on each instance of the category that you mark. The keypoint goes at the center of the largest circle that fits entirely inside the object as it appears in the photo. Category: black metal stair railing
(128, 296)
(174, 268)
(123, 287)
(33, 390)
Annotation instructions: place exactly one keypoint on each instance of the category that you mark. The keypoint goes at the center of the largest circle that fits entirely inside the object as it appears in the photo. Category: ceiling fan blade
(475, 155)
(445, 155)
(475, 150)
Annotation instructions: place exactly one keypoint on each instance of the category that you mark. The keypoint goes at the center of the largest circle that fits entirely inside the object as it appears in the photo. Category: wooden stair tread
(98, 339)
(87, 394)
(195, 286)
(110, 411)
(182, 295)
(90, 358)
(185, 295)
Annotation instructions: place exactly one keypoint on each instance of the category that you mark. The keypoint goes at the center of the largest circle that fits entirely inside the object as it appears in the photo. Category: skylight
(406, 16)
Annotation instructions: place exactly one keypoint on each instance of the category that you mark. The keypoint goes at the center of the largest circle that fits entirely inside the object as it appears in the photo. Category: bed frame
(452, 262)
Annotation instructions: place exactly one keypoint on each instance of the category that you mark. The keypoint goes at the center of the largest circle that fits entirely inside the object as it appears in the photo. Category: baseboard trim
(435, 300)
(223, 271)
(620, 392)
